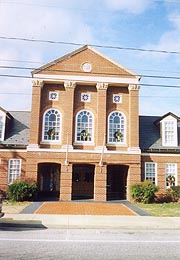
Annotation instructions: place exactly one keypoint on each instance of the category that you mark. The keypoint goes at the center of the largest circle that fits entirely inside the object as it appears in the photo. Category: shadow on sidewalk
(9, 224)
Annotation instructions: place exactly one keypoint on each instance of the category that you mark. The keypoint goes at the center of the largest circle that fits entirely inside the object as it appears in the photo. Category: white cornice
(161, 154)
(12, 150)
(84, 151)
(88, 79)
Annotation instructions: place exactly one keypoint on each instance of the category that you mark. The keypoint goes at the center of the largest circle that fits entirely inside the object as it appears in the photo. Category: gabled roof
(17, 130)
(150, 135)
(164, 116)
(120, 70)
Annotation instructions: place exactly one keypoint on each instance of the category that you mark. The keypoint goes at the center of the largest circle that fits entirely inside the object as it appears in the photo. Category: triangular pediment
(85, 61)
(169, 114)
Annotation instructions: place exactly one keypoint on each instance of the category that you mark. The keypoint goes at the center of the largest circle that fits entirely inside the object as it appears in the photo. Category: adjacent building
(84, 138)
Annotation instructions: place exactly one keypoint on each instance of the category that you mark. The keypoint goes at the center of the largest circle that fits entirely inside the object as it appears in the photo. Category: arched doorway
(83, 181)
(49, 180)
(116, 182)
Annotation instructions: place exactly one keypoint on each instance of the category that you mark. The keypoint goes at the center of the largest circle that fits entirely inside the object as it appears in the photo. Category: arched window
(84, 126)
(116, 127)
(51, 125)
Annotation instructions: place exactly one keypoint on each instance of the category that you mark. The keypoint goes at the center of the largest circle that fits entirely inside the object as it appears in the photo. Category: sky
(138, 32)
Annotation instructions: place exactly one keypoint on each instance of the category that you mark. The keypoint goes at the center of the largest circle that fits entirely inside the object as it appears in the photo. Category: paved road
(89, 244)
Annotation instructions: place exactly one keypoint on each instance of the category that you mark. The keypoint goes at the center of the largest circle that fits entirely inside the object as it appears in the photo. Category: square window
(53, 95)
(85, 97)
(117, 98)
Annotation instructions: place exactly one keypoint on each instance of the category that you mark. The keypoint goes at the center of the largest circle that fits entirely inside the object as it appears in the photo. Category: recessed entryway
(116, 182)
(83, 181)
(48, 180)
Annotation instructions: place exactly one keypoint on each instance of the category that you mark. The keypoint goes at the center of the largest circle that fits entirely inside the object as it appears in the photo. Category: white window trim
(92, 138)
(3, 125)
(9, 163)
(53, 92)
(89, 97)
(164, 121)
(60, 134)
(175, 175)
(156, 179)
(117, 143)
(120, 96)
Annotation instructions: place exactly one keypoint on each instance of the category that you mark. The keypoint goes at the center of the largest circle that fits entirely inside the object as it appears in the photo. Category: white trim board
(62, 78)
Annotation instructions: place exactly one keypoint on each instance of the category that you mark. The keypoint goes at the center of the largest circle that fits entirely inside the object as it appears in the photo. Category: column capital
(102, 85)
(133, 87)
(69, 84)
(37, 83)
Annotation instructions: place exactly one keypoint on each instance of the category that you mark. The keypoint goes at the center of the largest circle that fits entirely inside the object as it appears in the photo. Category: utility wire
(141, 84)
(76, 9)
(92, 45)
(20, 61)
(41, 64)
(141, 96)
(98, 73)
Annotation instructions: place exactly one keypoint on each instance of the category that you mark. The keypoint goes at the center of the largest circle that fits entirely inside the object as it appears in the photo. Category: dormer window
(169, 131)
(2, 125)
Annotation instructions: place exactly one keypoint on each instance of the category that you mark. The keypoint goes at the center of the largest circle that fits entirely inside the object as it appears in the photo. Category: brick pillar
(101, 113)
(35, 113)
(133, 115)
(134, 176)
(68, 111)
(100, 183)
(66, 182)
(31, 168)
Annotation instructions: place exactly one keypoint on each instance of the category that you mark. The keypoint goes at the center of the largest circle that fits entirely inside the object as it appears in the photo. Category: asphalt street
(85, 244)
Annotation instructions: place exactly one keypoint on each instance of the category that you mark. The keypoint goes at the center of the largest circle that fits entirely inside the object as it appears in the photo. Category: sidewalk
(89, 222)
(30, 218)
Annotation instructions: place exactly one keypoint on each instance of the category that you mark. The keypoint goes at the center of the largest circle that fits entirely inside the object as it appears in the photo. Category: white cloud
(35, 22)
(130, 6)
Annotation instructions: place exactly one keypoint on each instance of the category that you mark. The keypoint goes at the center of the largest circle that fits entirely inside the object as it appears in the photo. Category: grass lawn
(12, 207)
(161, 210)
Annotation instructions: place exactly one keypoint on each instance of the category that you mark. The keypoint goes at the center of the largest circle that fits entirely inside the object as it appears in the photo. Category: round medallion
(87, 67)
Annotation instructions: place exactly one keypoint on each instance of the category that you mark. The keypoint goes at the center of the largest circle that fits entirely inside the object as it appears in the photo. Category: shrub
(22, 190)
(163, 197)
(144, 192)
(174, 192)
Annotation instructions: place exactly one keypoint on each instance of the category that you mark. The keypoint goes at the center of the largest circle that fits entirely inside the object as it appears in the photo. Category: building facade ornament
(37, 83)
(133, 87)
(69, 84)
(102, 85)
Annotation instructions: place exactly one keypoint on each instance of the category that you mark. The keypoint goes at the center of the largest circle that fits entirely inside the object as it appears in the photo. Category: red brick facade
(67, 167)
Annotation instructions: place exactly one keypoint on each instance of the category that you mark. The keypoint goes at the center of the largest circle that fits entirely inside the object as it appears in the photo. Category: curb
(14, 222)
(44, 221)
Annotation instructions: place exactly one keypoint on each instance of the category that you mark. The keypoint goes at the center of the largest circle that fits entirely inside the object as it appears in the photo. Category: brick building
(81, 139)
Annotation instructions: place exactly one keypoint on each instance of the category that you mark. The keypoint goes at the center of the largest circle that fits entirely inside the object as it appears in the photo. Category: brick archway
(48, 180)
(83, 181)
(116, 182)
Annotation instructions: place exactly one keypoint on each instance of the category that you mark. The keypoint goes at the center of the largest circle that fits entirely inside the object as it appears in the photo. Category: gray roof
(17, 130)
(149, 134)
